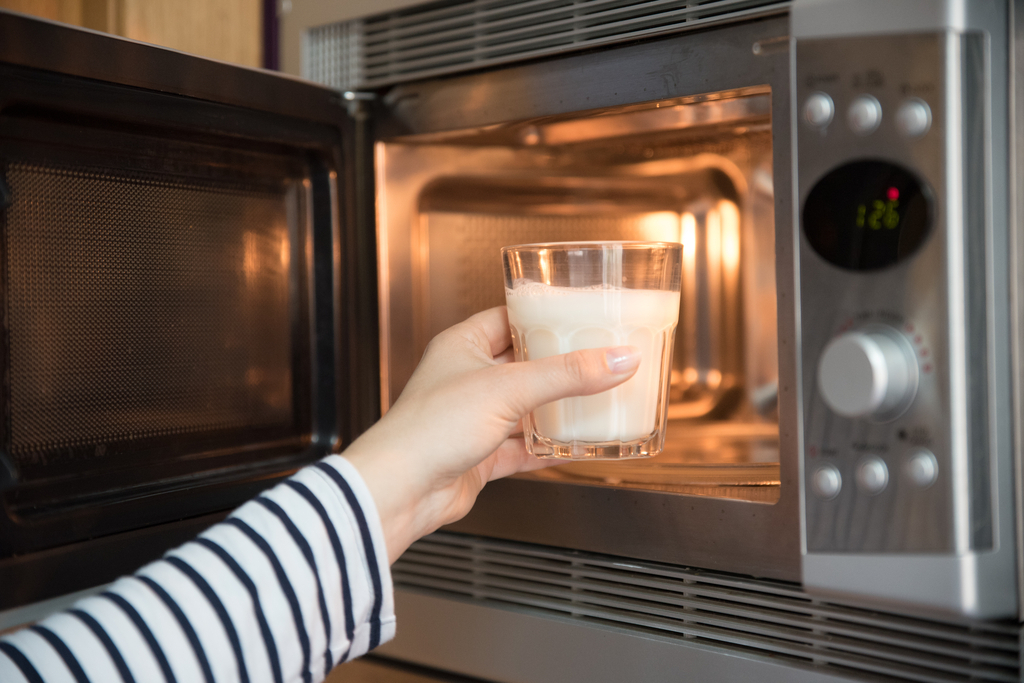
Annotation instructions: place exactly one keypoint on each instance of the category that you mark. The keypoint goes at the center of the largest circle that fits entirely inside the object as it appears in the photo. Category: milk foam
(549, 320)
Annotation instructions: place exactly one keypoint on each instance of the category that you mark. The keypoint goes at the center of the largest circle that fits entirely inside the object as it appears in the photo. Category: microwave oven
(214, 275)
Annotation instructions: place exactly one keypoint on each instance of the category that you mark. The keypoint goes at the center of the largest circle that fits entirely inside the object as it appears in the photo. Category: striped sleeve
(288, 586)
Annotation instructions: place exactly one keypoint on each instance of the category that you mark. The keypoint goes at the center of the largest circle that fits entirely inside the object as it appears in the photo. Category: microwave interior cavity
(694, 170)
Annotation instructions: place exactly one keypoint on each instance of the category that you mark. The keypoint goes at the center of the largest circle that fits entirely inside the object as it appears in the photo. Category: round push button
(922, 468)
(872, 475)
(864, 115)
(913, 118)
(826, 482)
(818, 110)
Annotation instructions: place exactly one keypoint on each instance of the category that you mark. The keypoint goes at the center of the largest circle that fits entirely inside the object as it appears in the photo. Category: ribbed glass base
(542, 447)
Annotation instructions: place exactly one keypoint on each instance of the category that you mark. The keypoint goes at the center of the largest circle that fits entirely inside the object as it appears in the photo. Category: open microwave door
(180, 278)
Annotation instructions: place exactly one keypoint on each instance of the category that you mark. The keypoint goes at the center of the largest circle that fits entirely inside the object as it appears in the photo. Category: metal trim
(1015, 66)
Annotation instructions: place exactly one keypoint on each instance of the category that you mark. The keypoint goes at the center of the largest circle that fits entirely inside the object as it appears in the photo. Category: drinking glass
(566, 296)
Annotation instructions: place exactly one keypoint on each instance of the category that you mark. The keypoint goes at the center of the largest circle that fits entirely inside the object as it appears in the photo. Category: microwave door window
(157, 313)
(141, 309)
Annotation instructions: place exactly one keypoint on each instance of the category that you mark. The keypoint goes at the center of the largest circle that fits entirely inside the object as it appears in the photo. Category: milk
(549, 320)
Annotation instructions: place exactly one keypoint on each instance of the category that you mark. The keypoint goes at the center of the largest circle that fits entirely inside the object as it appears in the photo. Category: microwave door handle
(361, 393)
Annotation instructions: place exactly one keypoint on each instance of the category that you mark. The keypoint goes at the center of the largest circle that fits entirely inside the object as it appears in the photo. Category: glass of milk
(565, 296)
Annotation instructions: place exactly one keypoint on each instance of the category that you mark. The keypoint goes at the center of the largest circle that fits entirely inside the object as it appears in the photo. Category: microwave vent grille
(454, 36)
(752, 616)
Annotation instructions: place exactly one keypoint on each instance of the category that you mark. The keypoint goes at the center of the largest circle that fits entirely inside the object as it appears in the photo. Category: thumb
(531, 384)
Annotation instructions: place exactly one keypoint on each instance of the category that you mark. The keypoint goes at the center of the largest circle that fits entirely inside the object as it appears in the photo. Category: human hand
(449, 432)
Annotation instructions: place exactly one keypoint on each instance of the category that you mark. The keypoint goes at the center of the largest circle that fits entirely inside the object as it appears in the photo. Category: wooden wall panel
(67, 11)
(228, 30)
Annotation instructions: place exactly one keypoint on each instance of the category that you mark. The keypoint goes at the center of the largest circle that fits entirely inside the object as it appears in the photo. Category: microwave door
(181, 285)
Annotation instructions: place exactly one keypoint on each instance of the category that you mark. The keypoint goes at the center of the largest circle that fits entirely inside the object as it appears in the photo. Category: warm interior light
(688, 236)
(687, 342)
(660, 226)
(729, 217)
(713, 237)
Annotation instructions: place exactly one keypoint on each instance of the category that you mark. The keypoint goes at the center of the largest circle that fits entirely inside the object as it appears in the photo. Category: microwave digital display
(867, 215)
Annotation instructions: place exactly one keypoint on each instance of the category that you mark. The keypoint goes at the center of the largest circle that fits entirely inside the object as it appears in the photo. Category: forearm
(298, 579)
(290, 584)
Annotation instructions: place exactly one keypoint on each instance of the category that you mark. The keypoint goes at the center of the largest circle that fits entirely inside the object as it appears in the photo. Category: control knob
(870, 373)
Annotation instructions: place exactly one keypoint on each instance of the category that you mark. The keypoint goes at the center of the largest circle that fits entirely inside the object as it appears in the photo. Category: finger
(493, 325)
(506, 356)
(512, 457)
(530, 384)
(518, 430)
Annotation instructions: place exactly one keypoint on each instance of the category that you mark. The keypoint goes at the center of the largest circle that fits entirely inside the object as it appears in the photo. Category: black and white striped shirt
(291, 584)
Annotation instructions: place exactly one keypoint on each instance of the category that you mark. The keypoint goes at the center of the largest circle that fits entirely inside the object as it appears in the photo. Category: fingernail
(622, 359)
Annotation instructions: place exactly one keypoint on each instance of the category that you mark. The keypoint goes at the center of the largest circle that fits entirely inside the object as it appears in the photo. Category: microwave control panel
(891, 220)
